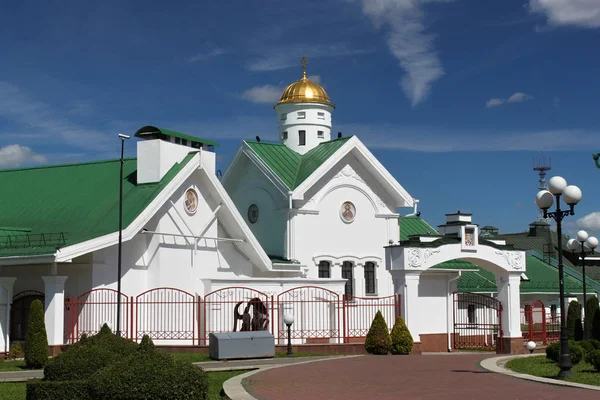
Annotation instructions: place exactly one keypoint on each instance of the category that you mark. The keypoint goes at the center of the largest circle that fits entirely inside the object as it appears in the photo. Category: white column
(406, 284)
(6, 285)
(54, 287)
(509, 294)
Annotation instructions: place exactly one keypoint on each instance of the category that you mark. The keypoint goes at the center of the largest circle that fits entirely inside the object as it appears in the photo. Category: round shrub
(577, 352)
(587, 345)
(87, 356)
(553, 352)
(149, 374)
(594, 359)
(378, 339)
(402, 341)
(36, 340)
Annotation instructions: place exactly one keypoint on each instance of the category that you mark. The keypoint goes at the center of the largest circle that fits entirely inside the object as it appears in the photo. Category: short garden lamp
(531, 346)
(288, 320)
(583, 246)
(571, 195)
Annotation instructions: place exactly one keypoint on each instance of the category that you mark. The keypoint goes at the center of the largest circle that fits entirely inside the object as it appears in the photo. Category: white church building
(308, 225)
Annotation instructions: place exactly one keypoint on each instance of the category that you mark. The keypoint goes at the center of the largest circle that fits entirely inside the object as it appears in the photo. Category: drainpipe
(415, 204)
(448, 311)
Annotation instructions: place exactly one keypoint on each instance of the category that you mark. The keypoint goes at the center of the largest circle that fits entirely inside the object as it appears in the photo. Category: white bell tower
(304, 114)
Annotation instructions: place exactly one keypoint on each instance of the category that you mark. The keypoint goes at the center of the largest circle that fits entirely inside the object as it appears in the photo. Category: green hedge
(402, 341)
(89, 355)
(378, 339)
(594, 359)
(576, 351)
(553, 352)
(36, 340)
(149, 374)
(45, 390)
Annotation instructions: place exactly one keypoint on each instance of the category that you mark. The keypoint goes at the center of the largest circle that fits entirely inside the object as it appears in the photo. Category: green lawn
(12, 365)
(541, 366)
(16, 391)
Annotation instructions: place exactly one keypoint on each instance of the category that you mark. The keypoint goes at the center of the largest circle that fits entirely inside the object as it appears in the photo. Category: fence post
(199, 315)
(344, 305)
(131, 335)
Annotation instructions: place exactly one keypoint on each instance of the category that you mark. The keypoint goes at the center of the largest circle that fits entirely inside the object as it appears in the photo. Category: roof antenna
(258, 138)
(339, 135)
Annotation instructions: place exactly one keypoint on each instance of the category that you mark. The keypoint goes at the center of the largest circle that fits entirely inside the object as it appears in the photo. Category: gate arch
(533, 321)
(19, 313)
(477, 322)
(317, 313)
(95, 307)
(220, 306)
(165, 314)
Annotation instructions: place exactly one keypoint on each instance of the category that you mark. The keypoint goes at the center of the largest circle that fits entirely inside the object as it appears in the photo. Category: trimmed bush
(574, 319)
(36, 340)
(594, 359)
(45, 390)
(591, 306)
(149, 374)
(15, 351)
(86, 357)
(575, 350)
(596, 325)
(595, 343)
(553, 352)
(402, 341)
(378, 339)
(587, 345)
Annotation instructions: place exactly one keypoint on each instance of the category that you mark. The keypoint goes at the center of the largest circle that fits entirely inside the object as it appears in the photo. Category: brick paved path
(438, 377)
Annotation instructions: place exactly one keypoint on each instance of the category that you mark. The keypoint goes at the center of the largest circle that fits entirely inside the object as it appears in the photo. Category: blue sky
(455, 97)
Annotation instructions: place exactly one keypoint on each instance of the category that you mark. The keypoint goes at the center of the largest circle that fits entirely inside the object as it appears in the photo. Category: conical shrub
(36, 340)
(402, 340)
(378, 339)
(591, 306)
(573, 318)
(596, 325)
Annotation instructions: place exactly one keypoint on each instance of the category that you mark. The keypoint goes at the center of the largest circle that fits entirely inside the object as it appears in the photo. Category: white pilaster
(54, 287)
(336, 270)
(6, 295)
(509, 294)
(406, 284)
(359, 280)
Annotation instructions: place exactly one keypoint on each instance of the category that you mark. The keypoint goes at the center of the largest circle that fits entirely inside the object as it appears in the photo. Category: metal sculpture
(259, 321)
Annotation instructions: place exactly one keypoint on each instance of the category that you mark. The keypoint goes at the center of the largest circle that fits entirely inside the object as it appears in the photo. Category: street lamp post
(578, 246)
(123, 138)
(288, 320)
(557, 187)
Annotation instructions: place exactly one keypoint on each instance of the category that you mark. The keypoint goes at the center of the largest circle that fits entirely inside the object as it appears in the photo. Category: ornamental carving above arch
(414, 258)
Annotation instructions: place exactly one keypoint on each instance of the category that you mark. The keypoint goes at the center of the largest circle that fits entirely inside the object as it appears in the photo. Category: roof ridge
(66, 165)
(305, 156)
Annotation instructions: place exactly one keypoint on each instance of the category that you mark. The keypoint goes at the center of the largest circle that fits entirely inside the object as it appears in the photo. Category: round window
(253, 213)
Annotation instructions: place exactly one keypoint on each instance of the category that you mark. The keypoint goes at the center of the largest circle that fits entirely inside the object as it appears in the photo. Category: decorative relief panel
(414, 258)
(514, 259)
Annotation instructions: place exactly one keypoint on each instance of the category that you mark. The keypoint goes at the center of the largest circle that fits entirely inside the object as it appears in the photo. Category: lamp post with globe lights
(557, 188)
(579, 246)
(288, 320)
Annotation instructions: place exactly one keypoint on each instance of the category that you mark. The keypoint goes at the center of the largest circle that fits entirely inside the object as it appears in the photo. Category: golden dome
(304, 91)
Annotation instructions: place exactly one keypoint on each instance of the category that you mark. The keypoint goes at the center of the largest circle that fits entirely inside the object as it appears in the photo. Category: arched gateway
(426, 278)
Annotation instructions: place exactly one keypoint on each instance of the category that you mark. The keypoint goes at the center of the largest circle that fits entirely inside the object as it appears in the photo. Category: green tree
(36, 340)
(378, 339)
(591, 305)
(402, 340)
(574, 319)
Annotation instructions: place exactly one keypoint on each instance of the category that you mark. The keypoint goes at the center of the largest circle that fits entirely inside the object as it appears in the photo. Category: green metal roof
(414, 226)
(67, 204)
(144, 131)
(542, 278)
(293, 168)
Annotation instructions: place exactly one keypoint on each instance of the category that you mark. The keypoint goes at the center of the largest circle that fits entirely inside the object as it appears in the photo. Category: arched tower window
(347, 273)
(324, 269)
(370, 278)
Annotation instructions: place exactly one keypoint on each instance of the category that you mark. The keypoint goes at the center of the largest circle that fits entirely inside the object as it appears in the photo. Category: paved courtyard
(438, 377)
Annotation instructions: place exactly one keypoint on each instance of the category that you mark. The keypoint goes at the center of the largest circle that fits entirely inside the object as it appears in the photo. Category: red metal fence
(537, 324)
(168, 314)
(477, 322)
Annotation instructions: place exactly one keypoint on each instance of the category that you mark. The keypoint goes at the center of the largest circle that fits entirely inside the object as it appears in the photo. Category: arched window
(370, 278)
(324, 269)
(347, 274)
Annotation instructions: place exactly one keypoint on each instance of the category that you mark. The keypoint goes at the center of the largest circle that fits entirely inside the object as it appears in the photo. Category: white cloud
(517, 97)
(41, 121)
(494, 102)
(279, 57)
(262, 94)
(15, 155)
(590, 222)
(409, 43)
(203, 56)
(579, 13)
